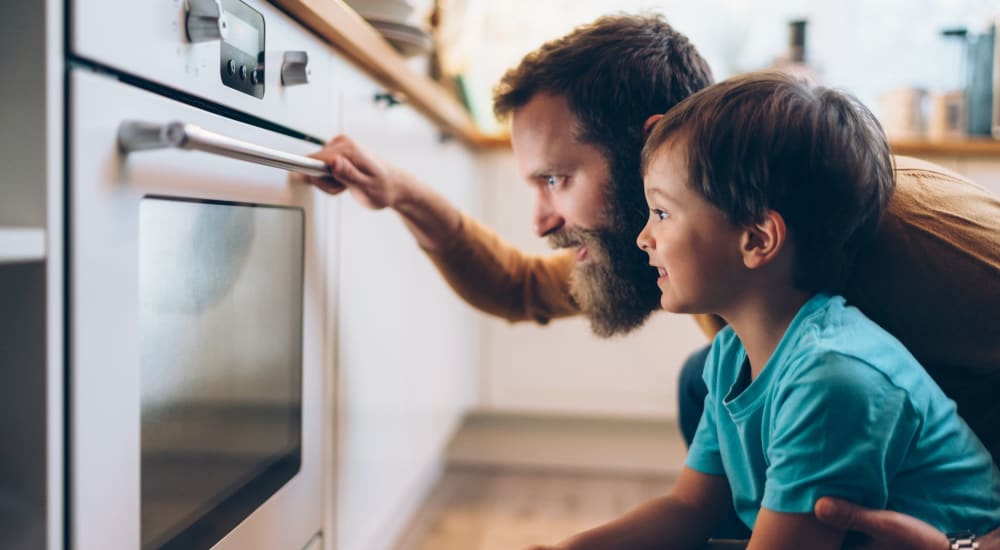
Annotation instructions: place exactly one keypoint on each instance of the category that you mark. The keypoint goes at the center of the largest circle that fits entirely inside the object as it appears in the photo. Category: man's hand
(373, 182)
(886, 529)
(376, 184)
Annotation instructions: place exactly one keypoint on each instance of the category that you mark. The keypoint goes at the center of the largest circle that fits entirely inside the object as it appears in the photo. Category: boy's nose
(643, 241)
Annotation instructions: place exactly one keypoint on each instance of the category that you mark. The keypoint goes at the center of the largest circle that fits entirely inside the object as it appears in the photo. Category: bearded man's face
(584, 205)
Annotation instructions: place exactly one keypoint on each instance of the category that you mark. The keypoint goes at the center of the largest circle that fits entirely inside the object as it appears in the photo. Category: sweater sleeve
(497, 278)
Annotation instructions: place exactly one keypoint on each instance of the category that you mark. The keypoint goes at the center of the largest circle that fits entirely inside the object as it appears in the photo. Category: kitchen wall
(864, 47)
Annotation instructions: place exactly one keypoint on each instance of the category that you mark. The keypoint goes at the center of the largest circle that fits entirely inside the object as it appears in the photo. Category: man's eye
(554, 181)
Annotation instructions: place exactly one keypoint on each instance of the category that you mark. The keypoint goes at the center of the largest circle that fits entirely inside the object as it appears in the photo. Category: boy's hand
(885, 529)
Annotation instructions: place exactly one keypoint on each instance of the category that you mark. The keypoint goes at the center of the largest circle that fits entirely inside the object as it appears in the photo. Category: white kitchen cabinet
(407, 347)
(31, 368)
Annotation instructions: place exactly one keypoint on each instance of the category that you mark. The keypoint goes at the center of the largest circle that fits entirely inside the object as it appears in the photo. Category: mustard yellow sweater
(931, 278)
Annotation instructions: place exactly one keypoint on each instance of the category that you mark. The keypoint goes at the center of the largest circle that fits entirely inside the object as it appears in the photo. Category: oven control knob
(206, 21)
(295, 69)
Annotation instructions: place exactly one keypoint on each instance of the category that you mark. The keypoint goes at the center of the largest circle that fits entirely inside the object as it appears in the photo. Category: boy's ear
(762, 241)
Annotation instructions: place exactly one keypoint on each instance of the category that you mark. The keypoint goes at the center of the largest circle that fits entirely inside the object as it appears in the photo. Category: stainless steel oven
(196, 292)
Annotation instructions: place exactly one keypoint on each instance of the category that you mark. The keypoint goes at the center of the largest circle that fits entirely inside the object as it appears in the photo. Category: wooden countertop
(968, 147)
(342, 27)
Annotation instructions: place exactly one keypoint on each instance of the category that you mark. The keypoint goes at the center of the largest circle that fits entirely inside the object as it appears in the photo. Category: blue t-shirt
(841, 409)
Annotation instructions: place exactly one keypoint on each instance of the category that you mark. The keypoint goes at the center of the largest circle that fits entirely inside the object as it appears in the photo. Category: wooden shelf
(970, 147)
(342, 27)
(21, 244)
(347, 31)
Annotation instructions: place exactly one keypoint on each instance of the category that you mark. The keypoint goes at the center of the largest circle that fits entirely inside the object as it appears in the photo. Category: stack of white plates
(401, 22)
(408, 39)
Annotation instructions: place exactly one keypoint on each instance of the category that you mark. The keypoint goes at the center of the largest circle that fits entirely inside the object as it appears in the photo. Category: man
(578, 106)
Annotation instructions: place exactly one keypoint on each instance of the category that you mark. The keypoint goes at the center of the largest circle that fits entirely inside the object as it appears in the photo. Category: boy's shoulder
(836, 338)
(828, 324)
(827, 333)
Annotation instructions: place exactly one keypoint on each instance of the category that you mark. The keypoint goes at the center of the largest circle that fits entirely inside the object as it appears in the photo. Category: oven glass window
(221, 365)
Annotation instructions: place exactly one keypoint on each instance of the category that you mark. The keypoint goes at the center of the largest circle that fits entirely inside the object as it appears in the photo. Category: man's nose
(547, 219)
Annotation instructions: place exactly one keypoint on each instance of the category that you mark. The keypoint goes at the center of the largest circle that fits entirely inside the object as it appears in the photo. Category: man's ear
(647, 127)
(763, 240)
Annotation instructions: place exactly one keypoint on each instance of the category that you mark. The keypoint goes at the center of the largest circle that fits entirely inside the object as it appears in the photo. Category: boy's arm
(682, 519)
(781, 531)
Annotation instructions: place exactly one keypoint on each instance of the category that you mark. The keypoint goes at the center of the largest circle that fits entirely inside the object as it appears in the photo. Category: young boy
(760, 190)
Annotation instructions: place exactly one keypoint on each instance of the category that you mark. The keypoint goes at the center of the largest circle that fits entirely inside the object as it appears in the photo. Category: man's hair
(614, 73)
(768, 141)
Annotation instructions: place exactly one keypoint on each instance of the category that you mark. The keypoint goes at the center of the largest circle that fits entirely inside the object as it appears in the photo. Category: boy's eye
(659, 214)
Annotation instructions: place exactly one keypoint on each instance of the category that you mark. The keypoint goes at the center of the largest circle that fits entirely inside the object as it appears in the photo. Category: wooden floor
(484, 508)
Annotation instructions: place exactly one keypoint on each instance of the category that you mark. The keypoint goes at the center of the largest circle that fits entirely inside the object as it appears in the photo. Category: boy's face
(690, 242)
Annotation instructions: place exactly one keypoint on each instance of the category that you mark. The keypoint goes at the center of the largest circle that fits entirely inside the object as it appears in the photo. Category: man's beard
(615, 288)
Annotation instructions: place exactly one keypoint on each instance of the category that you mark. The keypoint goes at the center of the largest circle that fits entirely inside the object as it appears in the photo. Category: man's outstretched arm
(488, 273)
(376, 184)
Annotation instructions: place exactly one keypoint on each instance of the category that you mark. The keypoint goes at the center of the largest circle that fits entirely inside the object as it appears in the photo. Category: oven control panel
(240, 31)
(244, 55)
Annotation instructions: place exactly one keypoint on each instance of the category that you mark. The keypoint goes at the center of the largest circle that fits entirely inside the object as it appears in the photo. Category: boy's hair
(767, 141)
(614, 73)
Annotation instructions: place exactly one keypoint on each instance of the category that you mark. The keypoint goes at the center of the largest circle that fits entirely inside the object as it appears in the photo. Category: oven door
(196, 319)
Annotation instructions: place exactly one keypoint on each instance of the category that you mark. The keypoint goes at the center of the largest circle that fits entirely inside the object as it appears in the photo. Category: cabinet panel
(23, 429)
(31, 277)
(407, 346)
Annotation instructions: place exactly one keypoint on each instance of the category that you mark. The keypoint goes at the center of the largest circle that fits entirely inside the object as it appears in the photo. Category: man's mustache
(571, 237)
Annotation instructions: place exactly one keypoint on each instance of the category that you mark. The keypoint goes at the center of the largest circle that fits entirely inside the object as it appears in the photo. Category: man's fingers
(338, 146)
(840, 514)
(344, 170)
(327, 185)
(343, 146)
(887, 529)
(361, 159)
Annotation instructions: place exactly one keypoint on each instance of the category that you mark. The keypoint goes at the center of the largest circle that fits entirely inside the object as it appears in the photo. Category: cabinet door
(406, 345)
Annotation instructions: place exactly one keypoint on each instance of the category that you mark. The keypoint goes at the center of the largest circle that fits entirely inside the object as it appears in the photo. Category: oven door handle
(141, 136)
